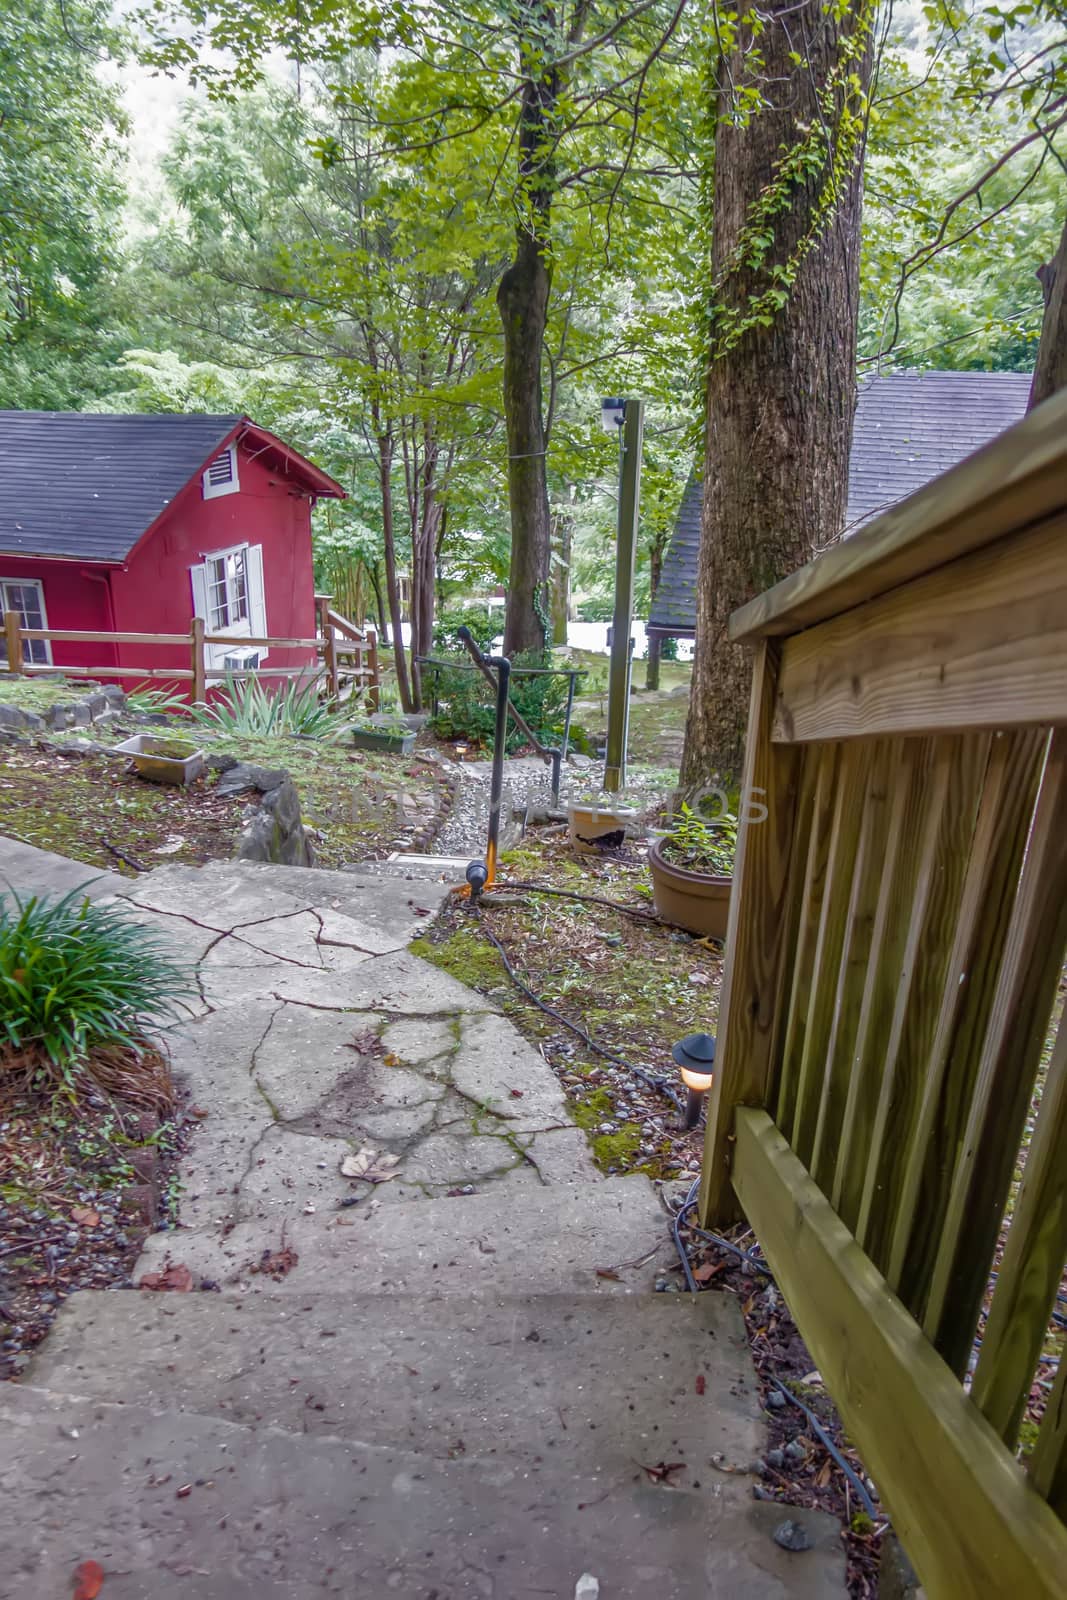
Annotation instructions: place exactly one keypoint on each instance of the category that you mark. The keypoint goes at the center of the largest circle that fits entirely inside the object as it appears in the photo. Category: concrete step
(588, 1384)
(181, 1505)
(536, 1239)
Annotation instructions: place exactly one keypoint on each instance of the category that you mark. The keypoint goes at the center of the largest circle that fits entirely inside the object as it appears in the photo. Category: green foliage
(484, 626)
(147, 701)
(77, 979)
(700, 845)
(468, 705)
(246, 708)
(60, 198)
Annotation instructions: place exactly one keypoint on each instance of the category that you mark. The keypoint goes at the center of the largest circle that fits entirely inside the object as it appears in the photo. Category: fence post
(13, 640)
(322, 606)
(330, 655)
(373, 694)
(198, 687)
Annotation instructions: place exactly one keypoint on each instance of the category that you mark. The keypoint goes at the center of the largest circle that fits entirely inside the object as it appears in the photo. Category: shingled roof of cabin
(87, 485)
(910, 426)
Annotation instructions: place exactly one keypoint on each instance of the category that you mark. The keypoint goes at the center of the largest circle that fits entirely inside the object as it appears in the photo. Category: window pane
(238, 576)
(25, 598)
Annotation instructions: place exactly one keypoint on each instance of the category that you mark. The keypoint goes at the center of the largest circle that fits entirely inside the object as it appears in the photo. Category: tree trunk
(522, 299)
(561, 576)
(1050, 368)
(781, 391)
(392, 584)
(379, 605)
(523, 302)
(655, 642)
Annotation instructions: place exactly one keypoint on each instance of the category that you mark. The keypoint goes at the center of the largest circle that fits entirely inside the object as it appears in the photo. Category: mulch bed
(80, 1187)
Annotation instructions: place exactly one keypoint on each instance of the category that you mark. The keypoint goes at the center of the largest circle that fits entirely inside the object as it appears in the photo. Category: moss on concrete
(466, 956)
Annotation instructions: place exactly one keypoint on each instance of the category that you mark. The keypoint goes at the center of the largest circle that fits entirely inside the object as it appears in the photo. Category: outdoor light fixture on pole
(627, 419)
(695, 1056)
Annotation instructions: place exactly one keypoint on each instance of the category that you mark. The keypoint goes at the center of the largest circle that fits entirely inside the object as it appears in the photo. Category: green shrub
(80, 987)
(484, 627)
(467, 706)
(246, 707)
(596, 608)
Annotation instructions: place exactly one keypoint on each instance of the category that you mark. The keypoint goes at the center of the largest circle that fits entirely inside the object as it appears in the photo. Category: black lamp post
(695, 1056)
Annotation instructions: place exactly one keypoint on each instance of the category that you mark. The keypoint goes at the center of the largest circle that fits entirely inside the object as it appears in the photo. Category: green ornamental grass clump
(81, 987)
(245, 707)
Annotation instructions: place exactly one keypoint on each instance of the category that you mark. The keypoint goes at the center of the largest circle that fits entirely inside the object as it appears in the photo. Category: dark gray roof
(910, 427)
(77, 484)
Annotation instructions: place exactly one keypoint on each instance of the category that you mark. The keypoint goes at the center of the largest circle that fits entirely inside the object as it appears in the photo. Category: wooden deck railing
(890, 1016)
(349, 655)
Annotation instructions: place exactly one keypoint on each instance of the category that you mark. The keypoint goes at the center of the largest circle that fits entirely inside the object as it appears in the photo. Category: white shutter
(221, 476)
(257, 599)
(198, 579)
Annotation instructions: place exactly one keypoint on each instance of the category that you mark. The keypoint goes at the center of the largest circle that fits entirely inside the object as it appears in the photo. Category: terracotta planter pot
(696, 901)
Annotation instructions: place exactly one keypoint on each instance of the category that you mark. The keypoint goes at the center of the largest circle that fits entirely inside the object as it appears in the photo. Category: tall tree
(1050, 369)
(60, 199)
(790, 93)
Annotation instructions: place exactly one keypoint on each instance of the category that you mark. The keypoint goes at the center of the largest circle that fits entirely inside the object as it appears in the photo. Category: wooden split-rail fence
(349, 655)
(891, 1049)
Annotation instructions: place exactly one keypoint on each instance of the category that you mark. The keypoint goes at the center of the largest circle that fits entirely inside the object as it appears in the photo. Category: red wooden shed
(138, 523)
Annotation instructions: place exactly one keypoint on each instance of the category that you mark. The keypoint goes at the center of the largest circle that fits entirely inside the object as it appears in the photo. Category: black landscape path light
(695, 1055)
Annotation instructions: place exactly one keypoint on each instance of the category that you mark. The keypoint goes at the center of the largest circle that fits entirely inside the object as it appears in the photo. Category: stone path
(425, 1387)
(527, 781)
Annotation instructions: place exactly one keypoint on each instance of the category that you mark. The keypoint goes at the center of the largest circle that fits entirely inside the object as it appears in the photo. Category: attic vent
(221, 476)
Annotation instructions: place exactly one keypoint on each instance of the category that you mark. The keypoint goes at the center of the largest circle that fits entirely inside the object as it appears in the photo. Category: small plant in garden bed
(81, 988)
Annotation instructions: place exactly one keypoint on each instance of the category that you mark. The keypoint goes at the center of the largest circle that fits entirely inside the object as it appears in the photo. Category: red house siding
(75, 596)
(152, 591)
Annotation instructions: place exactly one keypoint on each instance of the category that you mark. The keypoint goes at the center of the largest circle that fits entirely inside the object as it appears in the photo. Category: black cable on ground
(592, 899)
(659, 1084)
(824, 1438)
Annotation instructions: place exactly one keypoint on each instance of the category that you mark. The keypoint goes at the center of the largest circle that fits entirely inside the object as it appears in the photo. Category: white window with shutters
(221, 476)
(228, 593)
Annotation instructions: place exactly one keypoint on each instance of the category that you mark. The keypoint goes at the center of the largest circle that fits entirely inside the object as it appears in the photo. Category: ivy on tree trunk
(782, 354)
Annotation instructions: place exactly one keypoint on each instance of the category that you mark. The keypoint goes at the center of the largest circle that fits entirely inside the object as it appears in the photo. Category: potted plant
(394, 736)
(597, 822)
(692, 873)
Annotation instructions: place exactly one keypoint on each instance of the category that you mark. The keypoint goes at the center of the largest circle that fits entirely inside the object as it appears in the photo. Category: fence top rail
(1016, 479)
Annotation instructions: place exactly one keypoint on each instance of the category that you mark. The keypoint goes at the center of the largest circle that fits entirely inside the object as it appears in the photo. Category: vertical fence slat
(755, 947)
(1048, 1464)
(1032, 1266)
(903, 842)
(373, 686)
(863, 902)
(833, 921)
(1031, 966)
(948, 1074)
(198, 689)
(948, 833)
(13, 640)
(805, 941)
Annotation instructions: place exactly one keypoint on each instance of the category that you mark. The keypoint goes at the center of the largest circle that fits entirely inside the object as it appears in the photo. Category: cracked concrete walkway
(448, 1384)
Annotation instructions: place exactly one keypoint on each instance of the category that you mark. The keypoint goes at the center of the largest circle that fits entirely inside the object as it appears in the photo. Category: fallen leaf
(371, 1165)
(367, 1043)
(822, 1477)
(276, 1263)
(516, 1094)
(184, 1492)
(699, 977)
(85, 1215)
(178, 1278)
(608, 1272)
(661, 1472)
(199, 1113)
(88, 1580)
(705, 1273)
(701, 1383)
